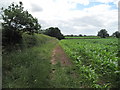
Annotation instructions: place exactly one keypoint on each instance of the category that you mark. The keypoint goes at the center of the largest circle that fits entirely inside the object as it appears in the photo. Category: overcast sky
(73, 16)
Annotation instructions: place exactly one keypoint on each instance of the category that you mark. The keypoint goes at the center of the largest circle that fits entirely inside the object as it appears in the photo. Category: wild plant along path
(58, 55)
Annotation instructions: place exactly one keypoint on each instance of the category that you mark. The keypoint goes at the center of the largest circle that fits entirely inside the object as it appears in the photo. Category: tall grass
(29, 67)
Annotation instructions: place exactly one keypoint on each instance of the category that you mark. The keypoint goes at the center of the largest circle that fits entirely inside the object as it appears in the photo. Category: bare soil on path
(58, 55)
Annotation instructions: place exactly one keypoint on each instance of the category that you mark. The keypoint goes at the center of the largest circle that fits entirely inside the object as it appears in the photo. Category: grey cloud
(88, 20)
(6, 3)
(46, 24)
(43, 24)
(36, 8)
(86, 25)
(72, 30)
(112, 27)
(114, 23)
(68, 27)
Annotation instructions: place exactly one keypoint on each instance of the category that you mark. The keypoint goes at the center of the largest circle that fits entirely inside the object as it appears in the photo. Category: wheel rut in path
(58, 55)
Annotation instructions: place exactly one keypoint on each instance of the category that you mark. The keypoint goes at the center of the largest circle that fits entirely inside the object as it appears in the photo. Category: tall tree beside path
(16, 21)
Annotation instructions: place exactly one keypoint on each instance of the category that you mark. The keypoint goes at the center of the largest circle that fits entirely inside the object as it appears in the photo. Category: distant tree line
(102, 33)
(80, 35)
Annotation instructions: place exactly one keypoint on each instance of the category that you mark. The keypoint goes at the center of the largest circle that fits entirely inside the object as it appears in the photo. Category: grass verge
(30, 67)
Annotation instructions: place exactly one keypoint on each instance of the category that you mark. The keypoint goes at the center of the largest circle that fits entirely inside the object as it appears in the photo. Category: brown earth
(58, 55)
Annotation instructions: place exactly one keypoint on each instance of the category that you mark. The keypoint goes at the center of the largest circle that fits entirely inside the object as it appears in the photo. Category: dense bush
(54, 32)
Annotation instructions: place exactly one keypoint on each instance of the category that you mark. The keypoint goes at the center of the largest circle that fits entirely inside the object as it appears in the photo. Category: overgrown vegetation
(30, 67)
(16, 22)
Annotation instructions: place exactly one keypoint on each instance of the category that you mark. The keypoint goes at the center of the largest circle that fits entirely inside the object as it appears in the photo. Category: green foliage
(10, 37)
(116, 34)
(103, 33)
(80, 35)
(30, 67)
(17, 21)
(54, 32)
(34, 40)
(96, 60)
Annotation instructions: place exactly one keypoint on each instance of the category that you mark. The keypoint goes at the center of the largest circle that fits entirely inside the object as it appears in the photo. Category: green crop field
(95, 59)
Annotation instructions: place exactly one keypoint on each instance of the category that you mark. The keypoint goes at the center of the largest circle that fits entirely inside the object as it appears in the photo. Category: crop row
(96, 60)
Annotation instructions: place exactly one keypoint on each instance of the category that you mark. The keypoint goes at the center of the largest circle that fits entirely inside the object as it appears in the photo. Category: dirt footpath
(58, 55)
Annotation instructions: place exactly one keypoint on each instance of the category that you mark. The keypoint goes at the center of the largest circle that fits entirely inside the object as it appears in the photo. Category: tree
(80, 35)
(16, 22)
(54, 32)
(116, 34)
(71, 35)
(103, 33)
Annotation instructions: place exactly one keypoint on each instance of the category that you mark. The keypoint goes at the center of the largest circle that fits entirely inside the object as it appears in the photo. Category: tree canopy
(16, 22)
(103, 33)
(54, 32)
(116, 34)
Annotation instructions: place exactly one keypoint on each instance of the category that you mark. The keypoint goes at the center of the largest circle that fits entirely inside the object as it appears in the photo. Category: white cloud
(36, 8)
(84, 2)
(106, 1)
(63, 14)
